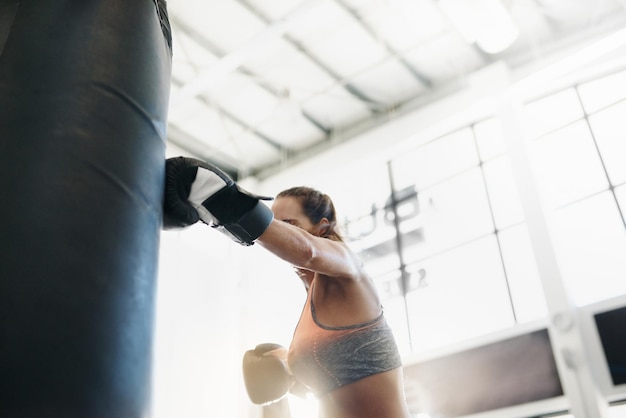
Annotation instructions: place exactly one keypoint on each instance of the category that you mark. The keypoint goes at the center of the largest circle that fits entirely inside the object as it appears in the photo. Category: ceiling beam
(201, 40)
(421, 78)
(373, 105)
(188, 143)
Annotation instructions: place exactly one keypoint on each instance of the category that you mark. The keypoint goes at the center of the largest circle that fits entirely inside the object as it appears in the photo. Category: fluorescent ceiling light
(486, 23)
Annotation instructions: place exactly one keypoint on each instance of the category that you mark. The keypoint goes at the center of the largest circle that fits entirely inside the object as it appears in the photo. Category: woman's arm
(304, 250)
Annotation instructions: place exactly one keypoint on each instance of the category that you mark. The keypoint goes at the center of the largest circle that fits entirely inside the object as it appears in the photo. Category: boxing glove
(265, 374)
(199, 191)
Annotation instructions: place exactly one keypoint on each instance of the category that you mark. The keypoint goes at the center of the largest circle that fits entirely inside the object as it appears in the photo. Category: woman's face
(288, 209)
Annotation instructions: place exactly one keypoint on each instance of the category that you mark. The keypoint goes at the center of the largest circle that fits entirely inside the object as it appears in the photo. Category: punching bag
(84, 88)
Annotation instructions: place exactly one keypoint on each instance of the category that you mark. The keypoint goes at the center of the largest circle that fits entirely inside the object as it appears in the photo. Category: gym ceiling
(260, 84)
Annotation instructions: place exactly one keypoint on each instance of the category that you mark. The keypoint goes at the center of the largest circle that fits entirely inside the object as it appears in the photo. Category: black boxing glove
(199, 191)
(266, 376)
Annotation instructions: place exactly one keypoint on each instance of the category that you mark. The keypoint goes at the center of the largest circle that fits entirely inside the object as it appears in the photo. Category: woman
(342, 347)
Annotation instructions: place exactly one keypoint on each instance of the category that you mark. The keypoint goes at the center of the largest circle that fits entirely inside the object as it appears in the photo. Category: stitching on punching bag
(7, 16)
(161, 9)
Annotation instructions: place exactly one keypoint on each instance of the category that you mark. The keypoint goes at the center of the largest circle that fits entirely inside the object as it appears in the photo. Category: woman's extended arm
(304, 250)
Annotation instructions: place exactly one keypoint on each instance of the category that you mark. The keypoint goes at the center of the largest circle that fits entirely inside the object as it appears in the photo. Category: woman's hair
(316, 206)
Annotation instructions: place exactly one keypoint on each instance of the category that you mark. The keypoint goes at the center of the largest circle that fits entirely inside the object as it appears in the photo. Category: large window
(578, 149)
(443, 232)
(461, 265)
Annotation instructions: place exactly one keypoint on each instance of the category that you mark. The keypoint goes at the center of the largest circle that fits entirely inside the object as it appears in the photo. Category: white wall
(196, 334)
(215, 300)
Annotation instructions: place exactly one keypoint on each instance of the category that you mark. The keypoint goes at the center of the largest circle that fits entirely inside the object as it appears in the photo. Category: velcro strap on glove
(250, 226)
(196, 190)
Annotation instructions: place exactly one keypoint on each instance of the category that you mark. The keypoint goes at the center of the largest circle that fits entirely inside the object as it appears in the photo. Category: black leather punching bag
(84, 88)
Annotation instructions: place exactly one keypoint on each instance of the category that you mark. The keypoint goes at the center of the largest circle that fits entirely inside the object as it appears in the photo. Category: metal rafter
(218, 52)
(186, 141)
(421, 78)
(373, 105)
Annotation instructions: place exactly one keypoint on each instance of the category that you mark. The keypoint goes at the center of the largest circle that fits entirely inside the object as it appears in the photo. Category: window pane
(352, 195)
(465, 296)
(552, 112)
(373, 238)
(522, 274)
(436, 161)
(620, 193)
(361, 208)
(617, 411)
(377, 266)
(489, 139)
(567, 165)
(609, 129)
(590, 243)
(393, 304)
(603, 92)
(505, 200)
(395, 314)
(452, 213)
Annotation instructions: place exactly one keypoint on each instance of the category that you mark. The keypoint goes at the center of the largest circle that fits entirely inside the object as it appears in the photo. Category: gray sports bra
(326, 358)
